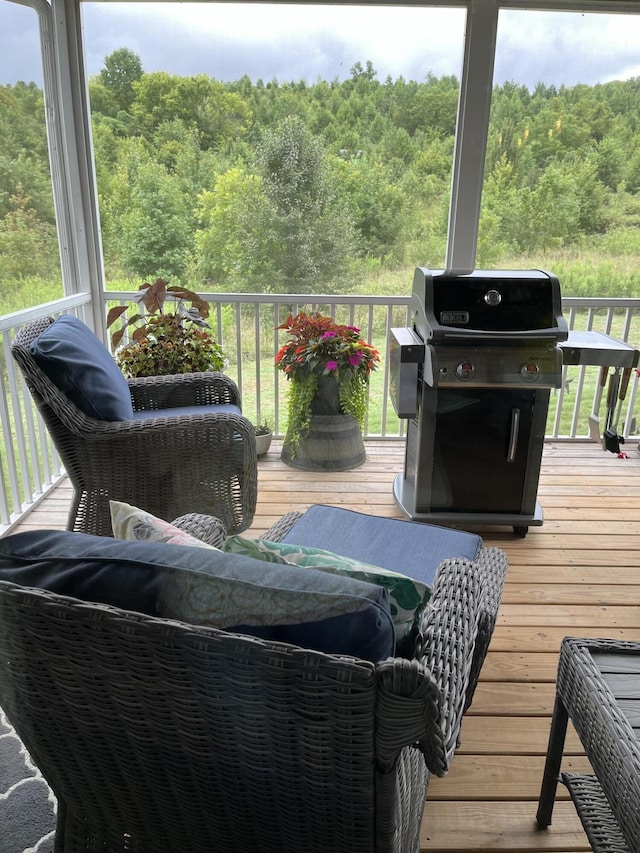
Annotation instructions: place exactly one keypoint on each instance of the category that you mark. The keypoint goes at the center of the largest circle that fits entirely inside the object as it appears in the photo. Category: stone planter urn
(334, 441)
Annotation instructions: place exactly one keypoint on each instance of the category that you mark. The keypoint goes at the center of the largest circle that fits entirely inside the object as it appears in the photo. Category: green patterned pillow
(407, 597)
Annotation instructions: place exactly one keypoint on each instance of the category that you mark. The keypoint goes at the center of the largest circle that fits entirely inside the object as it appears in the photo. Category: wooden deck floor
(578, 574)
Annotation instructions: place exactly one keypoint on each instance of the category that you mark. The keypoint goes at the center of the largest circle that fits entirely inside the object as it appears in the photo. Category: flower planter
(328, 366)
(263, 443)
(333, 443)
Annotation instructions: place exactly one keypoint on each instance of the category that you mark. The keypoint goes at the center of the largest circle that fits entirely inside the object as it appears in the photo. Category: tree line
(291, 186)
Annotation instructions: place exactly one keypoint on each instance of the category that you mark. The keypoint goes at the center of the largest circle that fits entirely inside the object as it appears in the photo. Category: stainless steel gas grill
(473, 376)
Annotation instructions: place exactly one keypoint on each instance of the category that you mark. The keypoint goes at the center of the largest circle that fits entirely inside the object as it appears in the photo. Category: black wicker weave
(598, 688)
(166, 465)
(159, 737)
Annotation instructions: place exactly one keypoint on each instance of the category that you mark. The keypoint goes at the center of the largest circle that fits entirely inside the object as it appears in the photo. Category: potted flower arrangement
(328, 366)
(161, 343)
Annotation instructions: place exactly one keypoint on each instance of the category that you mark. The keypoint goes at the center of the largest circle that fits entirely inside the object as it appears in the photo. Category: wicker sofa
(158, 735)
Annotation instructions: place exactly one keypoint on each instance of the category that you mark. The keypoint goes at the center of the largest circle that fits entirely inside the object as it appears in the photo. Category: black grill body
(473, 376)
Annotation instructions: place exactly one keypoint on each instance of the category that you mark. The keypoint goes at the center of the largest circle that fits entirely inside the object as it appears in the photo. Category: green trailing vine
(353, 391)
(301, 394)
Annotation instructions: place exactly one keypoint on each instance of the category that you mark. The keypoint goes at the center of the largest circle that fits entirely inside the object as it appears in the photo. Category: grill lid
(488, 304)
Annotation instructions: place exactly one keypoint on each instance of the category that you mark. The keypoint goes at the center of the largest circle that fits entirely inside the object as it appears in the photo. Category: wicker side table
(598, 688)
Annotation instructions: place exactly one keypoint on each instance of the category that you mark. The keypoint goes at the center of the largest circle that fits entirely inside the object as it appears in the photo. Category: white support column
(68, 120)
(471, 134)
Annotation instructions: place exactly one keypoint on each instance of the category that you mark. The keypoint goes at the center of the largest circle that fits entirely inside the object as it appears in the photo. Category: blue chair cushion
(214, 408)
(201, 586)
(409, 547)
(80, 365)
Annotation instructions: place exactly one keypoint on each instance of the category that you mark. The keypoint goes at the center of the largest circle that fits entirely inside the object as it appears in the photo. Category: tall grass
(28, 292)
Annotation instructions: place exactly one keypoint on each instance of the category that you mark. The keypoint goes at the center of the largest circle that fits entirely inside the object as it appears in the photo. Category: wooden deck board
(578, 574)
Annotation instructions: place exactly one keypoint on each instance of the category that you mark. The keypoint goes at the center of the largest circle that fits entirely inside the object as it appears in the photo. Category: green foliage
(290, 186)
(301, 395)
(380, 207)
(566, 202)
(165, 343)
(170, 348)
(122, 70)
(28, 247)
(16, 294)
(156, 230)
(24, 165)
(234, 252)
(200, 102)
(310, 236)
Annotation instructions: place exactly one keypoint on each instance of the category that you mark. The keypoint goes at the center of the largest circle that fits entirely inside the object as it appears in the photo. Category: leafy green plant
(159, 342)
(318, 347)
(263, 433)
(263, 428)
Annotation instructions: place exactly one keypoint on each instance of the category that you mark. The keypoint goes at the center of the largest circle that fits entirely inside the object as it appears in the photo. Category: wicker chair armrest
(490, 566)
(207, 528)
(409, 712)
(280, 529)
(191, 428)
(449, 634)
(186, 389)
(422, 701)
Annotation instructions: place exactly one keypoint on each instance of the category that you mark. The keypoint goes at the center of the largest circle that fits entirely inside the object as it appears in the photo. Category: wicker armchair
(155, 735)
(170, 464)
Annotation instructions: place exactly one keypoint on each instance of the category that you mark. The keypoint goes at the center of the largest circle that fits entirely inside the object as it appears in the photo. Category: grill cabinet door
(481, 449)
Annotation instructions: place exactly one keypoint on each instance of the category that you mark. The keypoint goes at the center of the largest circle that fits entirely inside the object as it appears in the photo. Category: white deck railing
(246, 326)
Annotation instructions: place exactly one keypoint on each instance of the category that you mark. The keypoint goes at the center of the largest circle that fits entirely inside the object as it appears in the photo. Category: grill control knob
(493, 298)
(530, 371)
(465, 371)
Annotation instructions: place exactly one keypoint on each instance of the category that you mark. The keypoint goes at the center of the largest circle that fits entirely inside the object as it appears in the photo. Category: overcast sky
(287, 42)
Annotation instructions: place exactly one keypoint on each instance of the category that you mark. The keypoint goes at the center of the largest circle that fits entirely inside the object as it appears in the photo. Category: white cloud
(566, 47)
(292, 42)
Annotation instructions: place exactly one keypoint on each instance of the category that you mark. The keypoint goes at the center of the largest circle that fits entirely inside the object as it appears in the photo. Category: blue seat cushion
(201, 586)
(215, 408)
(80, 365)
(409, 547)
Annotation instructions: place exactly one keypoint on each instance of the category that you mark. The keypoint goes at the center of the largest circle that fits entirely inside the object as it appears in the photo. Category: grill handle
(513, 435)
(556, 335)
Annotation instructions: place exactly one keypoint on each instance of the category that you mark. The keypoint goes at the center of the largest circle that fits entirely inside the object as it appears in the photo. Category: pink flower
(331, 365)
(356, 358)
(329, 335)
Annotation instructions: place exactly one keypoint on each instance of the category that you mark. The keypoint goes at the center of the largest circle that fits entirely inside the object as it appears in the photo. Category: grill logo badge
(454, 318)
